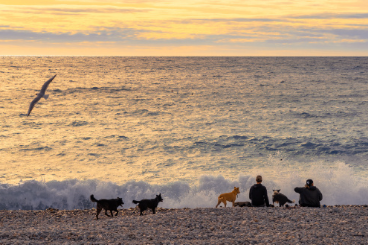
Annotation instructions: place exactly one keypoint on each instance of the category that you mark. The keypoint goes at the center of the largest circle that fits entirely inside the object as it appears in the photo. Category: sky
(184, 27)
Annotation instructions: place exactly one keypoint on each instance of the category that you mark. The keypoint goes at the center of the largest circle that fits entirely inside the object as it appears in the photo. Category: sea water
(189, 128)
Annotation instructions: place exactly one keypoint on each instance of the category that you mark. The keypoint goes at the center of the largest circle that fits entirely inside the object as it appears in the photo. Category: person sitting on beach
(310, 196)
(258, 194)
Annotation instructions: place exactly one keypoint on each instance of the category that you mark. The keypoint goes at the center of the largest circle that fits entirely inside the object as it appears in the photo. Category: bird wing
(34, 101)
(46, 84)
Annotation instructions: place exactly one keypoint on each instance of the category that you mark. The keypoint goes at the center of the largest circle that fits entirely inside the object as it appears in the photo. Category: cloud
(213, 22)
(331, 16)
(74, 9)
(109, 35)
(111, 1)
(242, 20)
(290, 18)
(350, 34)
(176, 34)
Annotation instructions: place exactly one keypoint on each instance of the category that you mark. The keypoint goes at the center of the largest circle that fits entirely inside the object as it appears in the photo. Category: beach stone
(332, 225)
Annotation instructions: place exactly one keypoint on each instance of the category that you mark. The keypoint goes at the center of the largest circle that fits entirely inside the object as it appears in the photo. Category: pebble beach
(238, 225)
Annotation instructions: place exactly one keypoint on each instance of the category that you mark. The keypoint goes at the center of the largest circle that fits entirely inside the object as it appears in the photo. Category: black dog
(107, 204)
(280, 198)
(149, 203)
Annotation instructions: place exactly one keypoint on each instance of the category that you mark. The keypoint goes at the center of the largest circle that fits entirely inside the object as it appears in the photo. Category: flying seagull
(40, 95)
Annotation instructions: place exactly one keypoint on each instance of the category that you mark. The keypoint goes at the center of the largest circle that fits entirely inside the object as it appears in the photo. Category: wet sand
(330, 225)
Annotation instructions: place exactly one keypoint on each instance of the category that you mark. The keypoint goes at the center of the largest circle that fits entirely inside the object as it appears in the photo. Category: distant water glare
(189, 128)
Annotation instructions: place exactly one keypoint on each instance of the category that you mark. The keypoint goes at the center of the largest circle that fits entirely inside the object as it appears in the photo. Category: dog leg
(153, 210)
(141, 209)
(98, 212)
(106, 212)
(117, 211)
(218, 203)
(111, 213)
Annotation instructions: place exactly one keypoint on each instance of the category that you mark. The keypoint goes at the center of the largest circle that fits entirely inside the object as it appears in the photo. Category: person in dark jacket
(258, 194)
(310, 196)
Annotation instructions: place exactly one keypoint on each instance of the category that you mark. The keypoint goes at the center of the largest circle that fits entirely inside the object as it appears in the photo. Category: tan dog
(230, 197)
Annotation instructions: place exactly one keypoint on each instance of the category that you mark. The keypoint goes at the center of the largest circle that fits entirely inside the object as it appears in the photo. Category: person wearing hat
(310, 196)
(258, 194)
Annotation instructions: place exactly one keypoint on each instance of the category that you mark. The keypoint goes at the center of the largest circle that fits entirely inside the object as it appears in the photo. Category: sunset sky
(184, 27)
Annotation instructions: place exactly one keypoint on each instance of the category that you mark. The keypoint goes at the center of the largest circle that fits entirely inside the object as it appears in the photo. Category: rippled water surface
(196, 121)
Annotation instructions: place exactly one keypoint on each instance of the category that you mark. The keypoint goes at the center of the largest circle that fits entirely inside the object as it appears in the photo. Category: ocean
(189, 128)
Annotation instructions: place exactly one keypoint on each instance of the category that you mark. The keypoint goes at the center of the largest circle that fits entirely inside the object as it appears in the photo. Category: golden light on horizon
(118, 26)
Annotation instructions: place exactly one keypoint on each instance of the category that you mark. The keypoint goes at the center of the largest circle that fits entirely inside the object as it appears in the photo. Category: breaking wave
(339, 185)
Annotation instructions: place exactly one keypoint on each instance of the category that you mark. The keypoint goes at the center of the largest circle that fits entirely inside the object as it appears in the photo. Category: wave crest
(339, 185)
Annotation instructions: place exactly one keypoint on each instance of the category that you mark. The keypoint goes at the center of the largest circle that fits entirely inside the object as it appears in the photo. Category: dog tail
(93, 199)
(135, 202)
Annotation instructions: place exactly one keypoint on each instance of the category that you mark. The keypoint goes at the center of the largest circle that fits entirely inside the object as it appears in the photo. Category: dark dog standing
(149, 203)
(280, 198)
(107, 204)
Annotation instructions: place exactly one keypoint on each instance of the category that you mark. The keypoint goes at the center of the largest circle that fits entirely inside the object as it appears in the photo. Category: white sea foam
(339, 185)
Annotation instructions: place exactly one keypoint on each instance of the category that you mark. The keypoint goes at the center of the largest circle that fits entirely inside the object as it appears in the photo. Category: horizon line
(181, 56)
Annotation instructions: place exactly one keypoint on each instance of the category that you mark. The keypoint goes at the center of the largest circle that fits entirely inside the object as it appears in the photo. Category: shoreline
(340, 224)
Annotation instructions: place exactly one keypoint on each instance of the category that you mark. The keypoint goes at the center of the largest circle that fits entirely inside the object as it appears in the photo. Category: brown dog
(230, 197)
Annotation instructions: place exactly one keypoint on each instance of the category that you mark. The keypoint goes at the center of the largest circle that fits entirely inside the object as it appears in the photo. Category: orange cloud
(252, 24)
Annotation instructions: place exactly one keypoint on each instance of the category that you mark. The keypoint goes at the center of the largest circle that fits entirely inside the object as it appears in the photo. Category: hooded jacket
(309, 197)
(258, 195)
